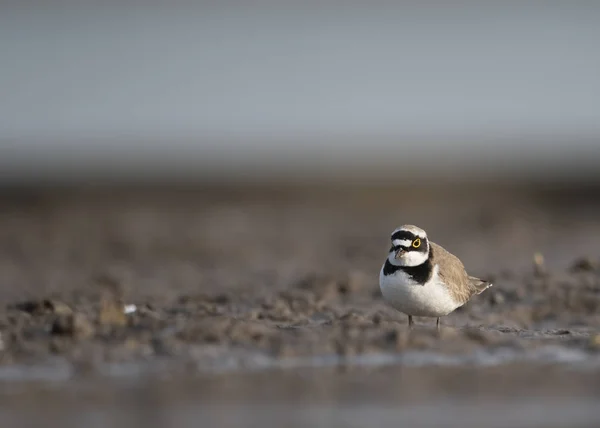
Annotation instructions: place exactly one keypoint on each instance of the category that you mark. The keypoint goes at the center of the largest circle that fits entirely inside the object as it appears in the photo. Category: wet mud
(317, 317)
(226, 282)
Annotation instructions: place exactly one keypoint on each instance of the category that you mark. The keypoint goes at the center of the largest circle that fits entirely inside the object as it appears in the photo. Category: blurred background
(271, 89)
(238, 147)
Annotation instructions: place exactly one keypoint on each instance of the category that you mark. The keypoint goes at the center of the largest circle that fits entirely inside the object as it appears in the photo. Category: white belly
(405, 295)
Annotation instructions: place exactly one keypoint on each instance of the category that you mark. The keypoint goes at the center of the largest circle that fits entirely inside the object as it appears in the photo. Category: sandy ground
(259, 306)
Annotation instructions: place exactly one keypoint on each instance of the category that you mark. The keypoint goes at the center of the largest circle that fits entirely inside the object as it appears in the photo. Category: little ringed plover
(420, 278)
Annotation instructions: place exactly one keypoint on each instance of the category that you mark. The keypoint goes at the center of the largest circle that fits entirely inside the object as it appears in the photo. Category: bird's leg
(437, 323)
(410, 322)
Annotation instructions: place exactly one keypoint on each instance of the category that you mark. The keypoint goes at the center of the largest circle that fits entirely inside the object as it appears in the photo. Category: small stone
(377, 319)
(111, 313)
(584, 264)
(539, 267)
(129, 309)
(595, 342)
(57, 307)
(62, 325)
(221, 299)
(31, 307)
(75, 325)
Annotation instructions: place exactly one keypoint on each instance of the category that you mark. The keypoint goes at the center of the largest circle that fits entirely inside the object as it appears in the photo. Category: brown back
(451, 270)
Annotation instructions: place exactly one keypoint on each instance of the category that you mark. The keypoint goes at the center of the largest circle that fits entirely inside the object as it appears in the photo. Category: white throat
(409, 258)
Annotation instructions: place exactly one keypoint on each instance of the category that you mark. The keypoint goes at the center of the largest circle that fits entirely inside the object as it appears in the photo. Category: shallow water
(578, 412)
(523, 395)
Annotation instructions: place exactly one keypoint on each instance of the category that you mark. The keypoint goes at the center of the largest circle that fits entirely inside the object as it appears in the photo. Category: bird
(421, 278)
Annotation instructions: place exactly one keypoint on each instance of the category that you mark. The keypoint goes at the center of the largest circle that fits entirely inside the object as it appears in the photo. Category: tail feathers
(479, 284)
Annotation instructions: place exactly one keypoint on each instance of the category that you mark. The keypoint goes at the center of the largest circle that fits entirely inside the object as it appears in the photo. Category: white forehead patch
(402, 242)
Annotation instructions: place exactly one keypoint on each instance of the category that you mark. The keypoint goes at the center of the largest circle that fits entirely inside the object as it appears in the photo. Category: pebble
(539, 267)
(584, 264)
(57, 307)
(595, 342)
(111, 314)
(75, 325)
(129, 309)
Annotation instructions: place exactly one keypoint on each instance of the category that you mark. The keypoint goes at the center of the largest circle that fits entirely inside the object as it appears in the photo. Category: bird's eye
(416, 243)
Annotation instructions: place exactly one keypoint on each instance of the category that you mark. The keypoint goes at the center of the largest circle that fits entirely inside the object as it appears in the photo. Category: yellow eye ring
(416, 243)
